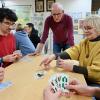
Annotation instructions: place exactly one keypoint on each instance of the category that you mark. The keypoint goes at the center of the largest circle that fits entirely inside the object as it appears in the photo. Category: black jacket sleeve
(81, 70)
(63, 55)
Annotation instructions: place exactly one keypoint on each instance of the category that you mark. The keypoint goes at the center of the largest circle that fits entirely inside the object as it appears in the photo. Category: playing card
(26, 59)
(5, 85)
(54, 83)
(63, 82)
(57, 61)
(39, 74)
(58, 81)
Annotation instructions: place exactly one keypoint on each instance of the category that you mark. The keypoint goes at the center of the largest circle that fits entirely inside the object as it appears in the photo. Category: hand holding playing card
(67, 64)
(18, 54)
(59, 81)
(50, 95)
(46, 61)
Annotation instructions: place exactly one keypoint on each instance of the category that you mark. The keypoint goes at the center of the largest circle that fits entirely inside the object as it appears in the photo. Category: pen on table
(1, 65)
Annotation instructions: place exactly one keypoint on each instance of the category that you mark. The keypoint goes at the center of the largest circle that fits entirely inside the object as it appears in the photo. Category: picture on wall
(76, 28)
(49, 4)
(75, 21)
(39, 5)
(81, 23)
(80, 26)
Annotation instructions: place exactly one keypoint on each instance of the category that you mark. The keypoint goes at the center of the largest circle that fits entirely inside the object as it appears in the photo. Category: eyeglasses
(87, 27)
(56, 14)
(9, 23)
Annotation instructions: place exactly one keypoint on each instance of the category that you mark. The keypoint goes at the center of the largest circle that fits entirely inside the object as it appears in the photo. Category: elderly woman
(85, 57)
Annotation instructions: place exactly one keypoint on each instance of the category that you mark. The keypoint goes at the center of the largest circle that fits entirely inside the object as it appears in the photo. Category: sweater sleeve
(81, 70)
(63, 55)
(70, 31)
(74, 52)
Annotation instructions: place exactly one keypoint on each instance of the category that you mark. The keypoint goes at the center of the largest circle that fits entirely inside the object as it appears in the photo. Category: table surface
(26, 87)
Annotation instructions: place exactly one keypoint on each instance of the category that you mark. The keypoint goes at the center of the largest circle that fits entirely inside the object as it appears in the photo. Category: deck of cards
(59, 81)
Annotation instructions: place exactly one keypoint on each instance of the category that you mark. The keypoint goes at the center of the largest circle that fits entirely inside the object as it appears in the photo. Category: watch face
(0, 60)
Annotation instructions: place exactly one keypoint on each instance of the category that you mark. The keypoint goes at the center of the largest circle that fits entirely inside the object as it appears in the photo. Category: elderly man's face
(57, 14)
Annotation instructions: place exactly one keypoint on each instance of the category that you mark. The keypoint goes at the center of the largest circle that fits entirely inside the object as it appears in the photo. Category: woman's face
(28, 29)
(89, 31)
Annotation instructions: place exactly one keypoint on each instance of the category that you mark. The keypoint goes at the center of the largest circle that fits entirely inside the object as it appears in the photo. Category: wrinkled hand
(1, 74)
(48, 94)
(67, 64)
(47, 60)
(79, 88)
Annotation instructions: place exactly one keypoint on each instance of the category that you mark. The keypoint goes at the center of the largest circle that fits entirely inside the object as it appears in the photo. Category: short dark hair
(8, 14)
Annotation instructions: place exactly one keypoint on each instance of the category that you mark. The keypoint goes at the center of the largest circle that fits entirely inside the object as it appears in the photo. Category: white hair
(57, 6)
(94, 20)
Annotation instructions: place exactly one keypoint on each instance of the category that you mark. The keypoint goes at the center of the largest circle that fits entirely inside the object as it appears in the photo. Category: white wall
(76, 5)
(69, 5)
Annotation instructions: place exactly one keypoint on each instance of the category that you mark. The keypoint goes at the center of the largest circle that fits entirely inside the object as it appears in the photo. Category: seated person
(77, 88)
(85, 57)
(23, 42)
(32, 33)
(7, 39)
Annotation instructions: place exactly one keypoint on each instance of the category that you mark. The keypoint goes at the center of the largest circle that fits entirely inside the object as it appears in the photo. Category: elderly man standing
(62, 28)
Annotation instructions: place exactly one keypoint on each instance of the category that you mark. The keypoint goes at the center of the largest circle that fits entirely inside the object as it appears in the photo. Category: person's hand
(48, 94)
(1, 74)
(10, 58)
(67, 64)
(47, 60)
(80, 89)
(18, 54)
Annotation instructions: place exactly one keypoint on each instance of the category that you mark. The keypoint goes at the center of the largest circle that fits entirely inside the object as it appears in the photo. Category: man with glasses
(62, 28)
(7, 40)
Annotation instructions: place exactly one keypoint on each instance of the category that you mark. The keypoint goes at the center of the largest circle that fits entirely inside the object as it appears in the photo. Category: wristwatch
(1, 60)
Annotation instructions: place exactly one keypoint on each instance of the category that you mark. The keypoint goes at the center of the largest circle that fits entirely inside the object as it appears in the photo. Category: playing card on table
(59, 81)
(39, 74)
(5, 85)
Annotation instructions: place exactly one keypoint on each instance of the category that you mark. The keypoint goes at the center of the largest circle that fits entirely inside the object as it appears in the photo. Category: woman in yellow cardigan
(85, 57)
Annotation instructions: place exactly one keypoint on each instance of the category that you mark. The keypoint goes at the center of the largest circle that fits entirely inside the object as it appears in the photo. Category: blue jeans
(57, 47)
